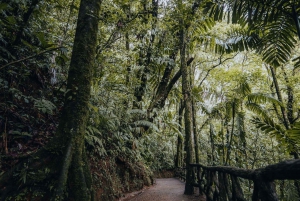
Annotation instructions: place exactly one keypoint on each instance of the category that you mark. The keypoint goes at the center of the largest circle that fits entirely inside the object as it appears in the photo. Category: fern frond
(262, 98)
(278, 42)
(297, 63)
(136, 111)
(144, 123)
(257, 109)
(268, 126)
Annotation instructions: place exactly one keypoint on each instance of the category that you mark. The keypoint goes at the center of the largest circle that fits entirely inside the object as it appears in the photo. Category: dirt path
(170, 189)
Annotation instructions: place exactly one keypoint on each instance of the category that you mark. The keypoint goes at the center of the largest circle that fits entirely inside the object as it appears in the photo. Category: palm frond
(243, 89)
(237, 40)
(294, 133)
(268, 126)
(278, 42)
(272, 20)
(297, 63)
(262, 98)
(257, 109)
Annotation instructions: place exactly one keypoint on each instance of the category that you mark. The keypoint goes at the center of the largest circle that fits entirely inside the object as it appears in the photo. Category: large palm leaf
(268, 126)
(275, 22)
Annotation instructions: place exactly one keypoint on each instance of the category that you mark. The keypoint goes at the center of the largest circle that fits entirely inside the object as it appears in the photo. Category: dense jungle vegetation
(97, 95)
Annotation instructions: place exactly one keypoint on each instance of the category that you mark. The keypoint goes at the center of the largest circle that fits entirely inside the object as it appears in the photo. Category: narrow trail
(169, 189)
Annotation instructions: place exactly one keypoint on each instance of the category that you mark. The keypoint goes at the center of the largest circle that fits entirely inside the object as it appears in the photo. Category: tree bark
(64, 156)
(180, 140)
(186, 91)
(283, 112)
(196, 141)
(74, 117)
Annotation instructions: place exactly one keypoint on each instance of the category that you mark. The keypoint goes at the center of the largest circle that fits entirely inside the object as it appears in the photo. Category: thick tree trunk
(63, 162)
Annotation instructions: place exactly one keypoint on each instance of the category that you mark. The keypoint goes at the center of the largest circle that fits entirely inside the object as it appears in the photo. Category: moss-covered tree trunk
(74, 117)
(62, 165)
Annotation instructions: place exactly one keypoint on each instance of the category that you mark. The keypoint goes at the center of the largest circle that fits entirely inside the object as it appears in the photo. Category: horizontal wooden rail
(289, 169)
(215, 181)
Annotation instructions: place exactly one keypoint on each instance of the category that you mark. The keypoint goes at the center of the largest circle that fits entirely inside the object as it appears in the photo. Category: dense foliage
(239, 62)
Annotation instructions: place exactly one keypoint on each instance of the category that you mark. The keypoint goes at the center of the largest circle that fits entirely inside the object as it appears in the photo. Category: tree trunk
(290, 100)
(74, 117)
(283, 112)
(212, 143)
(197, 153)
(63, 162)
(179, 154)
(186, 91)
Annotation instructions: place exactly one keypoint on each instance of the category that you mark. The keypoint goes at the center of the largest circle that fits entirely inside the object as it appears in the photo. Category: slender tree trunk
(212, 143)
(283, 112)
(290, 100)
(197, 153)
(186, 91)
(180, 140)
(233, 108)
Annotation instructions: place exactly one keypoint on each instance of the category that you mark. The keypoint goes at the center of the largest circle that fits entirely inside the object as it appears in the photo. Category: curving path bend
(167, 189)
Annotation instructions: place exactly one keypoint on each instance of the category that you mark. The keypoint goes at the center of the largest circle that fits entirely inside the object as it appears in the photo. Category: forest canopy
(97, 95)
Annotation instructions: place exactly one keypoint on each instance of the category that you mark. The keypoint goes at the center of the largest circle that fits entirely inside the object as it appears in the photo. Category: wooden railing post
(264, 191)
(222, 186)
(237, 192)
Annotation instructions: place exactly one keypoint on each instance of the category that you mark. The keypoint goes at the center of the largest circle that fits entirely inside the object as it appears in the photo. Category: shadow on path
(169, 189)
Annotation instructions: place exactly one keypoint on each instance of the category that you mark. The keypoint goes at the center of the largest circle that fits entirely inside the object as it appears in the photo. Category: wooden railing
(221, 183)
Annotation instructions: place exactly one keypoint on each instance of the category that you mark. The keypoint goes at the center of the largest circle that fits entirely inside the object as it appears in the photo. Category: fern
(144, 123)
(93, 139)
(268, 126)
(137, 111)
(44, 106)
